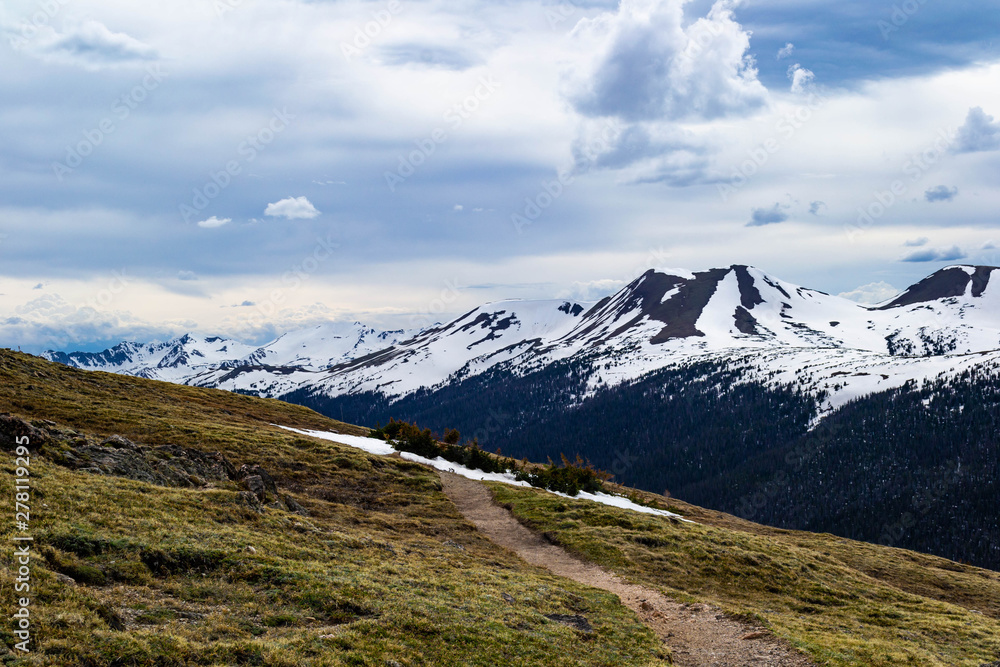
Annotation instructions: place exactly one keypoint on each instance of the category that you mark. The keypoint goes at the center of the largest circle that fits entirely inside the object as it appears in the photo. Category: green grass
(843, 603)
(383, 570)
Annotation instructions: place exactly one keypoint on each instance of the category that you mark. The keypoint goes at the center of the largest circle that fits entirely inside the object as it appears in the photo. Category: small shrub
(570, 478)
(128, 572)
(84, 574)
(159, 616)
(280, 621)
(181, 560)
(84, 545)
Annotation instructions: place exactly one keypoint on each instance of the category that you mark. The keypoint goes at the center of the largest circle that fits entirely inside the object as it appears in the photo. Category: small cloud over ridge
(951, 254)
(871, 293)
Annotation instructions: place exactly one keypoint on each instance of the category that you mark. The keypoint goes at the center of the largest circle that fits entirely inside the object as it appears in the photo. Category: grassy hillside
(382, 571)
(842, 602)
(352, 559)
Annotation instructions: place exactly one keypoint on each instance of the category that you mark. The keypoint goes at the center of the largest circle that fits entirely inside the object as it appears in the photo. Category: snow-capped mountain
(778, 332)
(188, 356)
(488, 335)
(732, 388)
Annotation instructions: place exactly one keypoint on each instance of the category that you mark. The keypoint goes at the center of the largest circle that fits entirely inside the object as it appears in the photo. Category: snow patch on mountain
(775, 331)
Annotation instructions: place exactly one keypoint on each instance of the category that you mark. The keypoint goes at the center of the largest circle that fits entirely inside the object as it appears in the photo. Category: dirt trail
(698, 635)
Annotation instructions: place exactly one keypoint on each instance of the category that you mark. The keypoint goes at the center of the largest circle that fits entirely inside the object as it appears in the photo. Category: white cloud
(979, 133)
(648, 66)
(871, 293)
(786, 51)
(214, 222)
(649, 84)
(292, 208)
(90, 44)
(800, 77)
(51, 321)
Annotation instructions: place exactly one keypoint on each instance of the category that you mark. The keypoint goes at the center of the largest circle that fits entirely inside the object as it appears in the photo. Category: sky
(244, 168)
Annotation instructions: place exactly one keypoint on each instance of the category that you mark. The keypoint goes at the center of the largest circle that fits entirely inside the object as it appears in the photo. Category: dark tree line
(915, 467)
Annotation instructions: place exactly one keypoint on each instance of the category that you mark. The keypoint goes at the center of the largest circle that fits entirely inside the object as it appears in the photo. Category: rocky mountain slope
(948, 322)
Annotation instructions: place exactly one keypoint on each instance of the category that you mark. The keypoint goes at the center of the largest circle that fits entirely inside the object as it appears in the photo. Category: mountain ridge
(659, 319)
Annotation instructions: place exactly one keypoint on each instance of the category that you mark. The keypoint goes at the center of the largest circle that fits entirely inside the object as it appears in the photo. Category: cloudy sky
(245, 167)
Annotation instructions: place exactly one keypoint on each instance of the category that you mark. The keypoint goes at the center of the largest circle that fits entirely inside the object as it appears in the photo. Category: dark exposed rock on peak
(947, 283)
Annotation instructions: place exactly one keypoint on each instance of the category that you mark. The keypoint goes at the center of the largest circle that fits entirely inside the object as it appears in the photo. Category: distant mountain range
(711, 384)
(944, 324)
(181, 359)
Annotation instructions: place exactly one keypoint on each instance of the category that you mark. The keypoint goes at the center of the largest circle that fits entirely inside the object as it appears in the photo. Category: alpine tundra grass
(377, 567)
(382, 571)
(842, 602)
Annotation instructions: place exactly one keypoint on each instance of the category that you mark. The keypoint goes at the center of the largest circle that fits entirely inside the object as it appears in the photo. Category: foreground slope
(376, 567)
(362, 560)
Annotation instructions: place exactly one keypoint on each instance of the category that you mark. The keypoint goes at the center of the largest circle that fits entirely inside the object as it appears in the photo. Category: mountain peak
(949, 282)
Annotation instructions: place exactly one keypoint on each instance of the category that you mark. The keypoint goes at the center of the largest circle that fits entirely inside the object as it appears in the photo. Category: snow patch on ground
(380, 448)
(370, 445)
